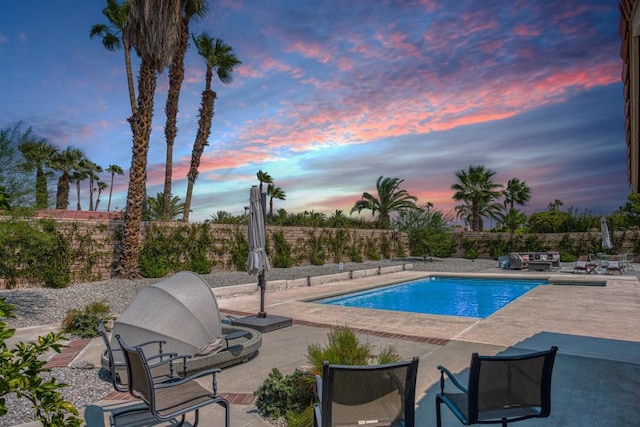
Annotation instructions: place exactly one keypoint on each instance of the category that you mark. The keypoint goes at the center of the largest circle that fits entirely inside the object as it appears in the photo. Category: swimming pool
(449, 296)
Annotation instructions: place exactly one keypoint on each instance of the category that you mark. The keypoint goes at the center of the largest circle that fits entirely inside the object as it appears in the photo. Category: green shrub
(21, 374)
(34, 252)
(279, 394)
(282, 257)
(84, 323)
(470, 249)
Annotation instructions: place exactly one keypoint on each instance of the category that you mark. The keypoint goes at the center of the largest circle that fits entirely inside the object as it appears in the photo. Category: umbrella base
(264, 323)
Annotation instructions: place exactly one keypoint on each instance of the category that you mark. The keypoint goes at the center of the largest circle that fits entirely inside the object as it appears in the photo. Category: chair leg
(195, 422)
(181, 421)
(227, 416)
(438, 414)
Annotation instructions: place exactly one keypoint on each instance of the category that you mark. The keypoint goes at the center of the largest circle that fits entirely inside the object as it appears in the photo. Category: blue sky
(333, 94)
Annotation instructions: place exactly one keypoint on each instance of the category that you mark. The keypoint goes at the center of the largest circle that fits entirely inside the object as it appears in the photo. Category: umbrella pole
(262, 284)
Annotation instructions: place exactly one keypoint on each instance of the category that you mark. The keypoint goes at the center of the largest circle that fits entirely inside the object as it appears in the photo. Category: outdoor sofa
(534, 260)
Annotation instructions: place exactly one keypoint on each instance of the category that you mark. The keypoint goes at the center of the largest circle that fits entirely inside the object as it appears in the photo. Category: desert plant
(21, 373)
(282, 394)
(84, 323)
(345, 347)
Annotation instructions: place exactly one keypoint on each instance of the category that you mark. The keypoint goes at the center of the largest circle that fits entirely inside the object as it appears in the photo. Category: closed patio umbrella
(606, 238)
(257, 262)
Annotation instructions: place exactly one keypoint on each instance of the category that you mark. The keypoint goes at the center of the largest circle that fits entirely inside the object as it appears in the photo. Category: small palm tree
(66, 162)
(92, 170)
(39, 155)
(478, 193)
(113, 170)
(100, 186)
(516, 193)
(390, 199)
(264, 177)
(118, 16)
(555, 205)
(219, 57)
(77, 177)
(156, 210)
(274, 192)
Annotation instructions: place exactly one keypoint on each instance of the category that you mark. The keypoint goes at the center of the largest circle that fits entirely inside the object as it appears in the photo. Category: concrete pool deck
(597, 329)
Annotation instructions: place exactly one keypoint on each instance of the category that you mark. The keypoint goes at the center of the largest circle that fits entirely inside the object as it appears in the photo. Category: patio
(596, 377)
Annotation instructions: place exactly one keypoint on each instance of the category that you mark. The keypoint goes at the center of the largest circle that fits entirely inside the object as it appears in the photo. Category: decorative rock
(82, 364)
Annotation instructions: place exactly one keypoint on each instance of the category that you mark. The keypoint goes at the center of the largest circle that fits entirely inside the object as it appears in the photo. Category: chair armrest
(212, 372)
(453, 379)
(319, 388)
(161, 356)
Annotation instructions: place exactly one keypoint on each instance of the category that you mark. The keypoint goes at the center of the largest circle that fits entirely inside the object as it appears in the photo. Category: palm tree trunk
(90, 192)
(110, 191)
(204, 130)
(62, 196)
(42, 194)
(127, 63)
(176, 77)
(141, 129)
(78, 194)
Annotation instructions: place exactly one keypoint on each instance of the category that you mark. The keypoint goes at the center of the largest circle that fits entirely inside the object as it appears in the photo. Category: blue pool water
(450, 296)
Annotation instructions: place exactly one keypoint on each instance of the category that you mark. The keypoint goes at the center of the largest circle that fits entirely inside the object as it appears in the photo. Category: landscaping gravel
(42, 306)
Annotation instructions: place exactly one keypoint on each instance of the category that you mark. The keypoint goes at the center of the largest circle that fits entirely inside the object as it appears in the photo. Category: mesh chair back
(510, 386)
(138, 372)
(379, 395)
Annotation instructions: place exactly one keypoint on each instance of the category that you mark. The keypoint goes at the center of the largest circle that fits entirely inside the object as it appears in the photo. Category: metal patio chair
(172, 398)
(377, 395)
(501, 389)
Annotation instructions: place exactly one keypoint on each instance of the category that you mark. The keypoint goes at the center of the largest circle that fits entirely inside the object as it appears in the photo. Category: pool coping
(563, 309)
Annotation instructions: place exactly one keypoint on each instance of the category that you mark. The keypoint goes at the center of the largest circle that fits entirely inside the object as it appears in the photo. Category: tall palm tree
(476, 189)
(113, 170)
(101, 185)
(39, 155)
(390, 199)
(516, 193)
(264, 177)
(219, 57)
(190, 9)
(66, 162)
(118, 16)
(274, 192)
(154, 29)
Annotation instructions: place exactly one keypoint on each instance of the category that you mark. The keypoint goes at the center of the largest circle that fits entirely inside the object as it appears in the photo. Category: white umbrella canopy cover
(182, 310)
(606, 238)
(257, 261)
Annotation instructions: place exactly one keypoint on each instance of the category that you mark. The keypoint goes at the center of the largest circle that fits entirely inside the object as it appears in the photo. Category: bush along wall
(58, 252)
(35, 253)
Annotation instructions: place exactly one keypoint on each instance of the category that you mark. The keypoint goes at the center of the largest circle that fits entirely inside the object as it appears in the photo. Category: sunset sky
(333, 94)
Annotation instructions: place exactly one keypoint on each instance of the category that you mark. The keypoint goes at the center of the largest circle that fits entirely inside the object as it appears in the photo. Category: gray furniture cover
(182, 310)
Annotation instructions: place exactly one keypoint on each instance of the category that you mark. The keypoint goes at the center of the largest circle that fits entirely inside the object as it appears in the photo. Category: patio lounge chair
(583, 264)
(501, 389)
(614, 265)
(170, 399)
(378, 395)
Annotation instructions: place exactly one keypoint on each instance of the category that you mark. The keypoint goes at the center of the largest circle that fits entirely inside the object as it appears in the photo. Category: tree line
(31, 162)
